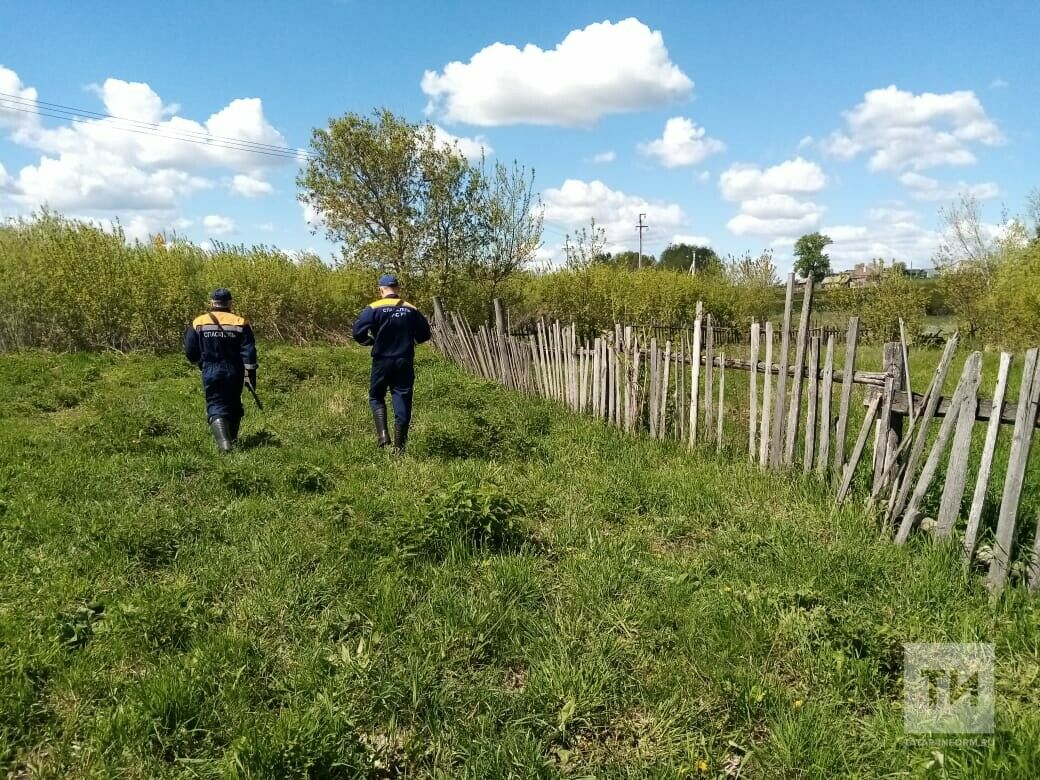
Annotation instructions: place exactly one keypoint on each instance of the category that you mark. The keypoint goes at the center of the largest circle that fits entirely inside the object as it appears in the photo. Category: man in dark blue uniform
(392, 327)
(222, 345)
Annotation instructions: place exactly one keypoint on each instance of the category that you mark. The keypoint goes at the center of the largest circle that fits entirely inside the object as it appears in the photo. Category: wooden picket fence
(677, 389)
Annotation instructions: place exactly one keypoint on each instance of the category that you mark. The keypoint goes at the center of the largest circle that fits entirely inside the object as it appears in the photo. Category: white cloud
(603, 158)
(13, 113)
(602, 69)
(704, 176)
(914, 132)
(998, 83)
(748, 225)
(682, 143)
(265, 227)
(926, 188)
(470, 148)
(102, 181)
(888, 235)
(741, 182)
(95, 167)
(806, 142)
(250, 186)
(575, 202)
(768, 207)
(689, 238)
(311, 217)
(218, 225)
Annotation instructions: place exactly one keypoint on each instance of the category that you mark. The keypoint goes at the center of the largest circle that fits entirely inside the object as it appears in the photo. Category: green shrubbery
(69, 285)
(598, 297)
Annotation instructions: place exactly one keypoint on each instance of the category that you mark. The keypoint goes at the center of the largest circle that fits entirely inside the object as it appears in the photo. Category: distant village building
(866, 274)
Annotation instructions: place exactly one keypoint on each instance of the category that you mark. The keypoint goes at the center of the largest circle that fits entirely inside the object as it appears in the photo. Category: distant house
(835, 280)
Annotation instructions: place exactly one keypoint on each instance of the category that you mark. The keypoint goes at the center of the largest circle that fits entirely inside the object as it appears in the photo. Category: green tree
(510, 217)
(683, 257)
(587, 247)
(395, 196)
(810, 259)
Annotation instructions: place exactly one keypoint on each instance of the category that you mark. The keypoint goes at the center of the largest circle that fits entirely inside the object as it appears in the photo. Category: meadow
(526, 593)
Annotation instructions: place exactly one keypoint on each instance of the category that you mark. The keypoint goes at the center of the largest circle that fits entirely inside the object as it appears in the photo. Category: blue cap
(221, 295)
(388, 280)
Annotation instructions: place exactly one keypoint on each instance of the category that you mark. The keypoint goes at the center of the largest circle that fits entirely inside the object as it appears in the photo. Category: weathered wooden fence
(798, 414)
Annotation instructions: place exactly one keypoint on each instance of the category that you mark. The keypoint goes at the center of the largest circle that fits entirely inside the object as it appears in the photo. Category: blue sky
(740, 124)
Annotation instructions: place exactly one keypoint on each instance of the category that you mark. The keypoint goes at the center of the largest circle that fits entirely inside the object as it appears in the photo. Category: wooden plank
(767, 401)
(722, 402)
(823, 457)
(680, 389)
(957, 467)
(753, 391)
(653, 378)
(1021, 440)
(931, 465)
(851, 338)
(906, 367)
(978, 499)
(1033, 575)
(662, 406)
(777, 432)
(857, 450)
(813, 396)
(709, 374)
(881, 439)
(500, 337)
(794, 410)
(695, 374)
(921, 434)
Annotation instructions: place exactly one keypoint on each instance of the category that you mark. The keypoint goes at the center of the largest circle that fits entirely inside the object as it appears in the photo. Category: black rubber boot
(221, 427)
(234, 423)
(382, 434)
(400, 436)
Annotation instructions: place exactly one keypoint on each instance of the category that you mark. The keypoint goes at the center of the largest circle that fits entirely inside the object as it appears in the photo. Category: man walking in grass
(221, 344)
(392, 327)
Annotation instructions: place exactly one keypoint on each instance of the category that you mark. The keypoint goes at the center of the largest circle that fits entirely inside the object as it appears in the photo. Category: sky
(741, 125)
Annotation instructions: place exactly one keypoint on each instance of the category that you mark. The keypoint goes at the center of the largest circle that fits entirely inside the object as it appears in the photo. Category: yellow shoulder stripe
(223, 317)
(390, 302)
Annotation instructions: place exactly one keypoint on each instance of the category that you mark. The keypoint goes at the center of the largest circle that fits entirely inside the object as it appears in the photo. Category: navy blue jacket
(227, 344)
(392, 327)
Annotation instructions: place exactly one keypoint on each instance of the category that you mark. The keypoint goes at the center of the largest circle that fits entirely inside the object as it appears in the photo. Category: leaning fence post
(500, 334)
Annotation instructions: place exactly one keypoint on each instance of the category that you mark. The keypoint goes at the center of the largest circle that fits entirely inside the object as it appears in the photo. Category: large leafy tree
(811, 262)
(683, 257)
(397, 197)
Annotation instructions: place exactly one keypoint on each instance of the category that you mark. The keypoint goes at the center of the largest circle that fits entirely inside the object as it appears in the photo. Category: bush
(1012, 306)
(67, 285)
(882, 305)
(598, 297)
(463, 517)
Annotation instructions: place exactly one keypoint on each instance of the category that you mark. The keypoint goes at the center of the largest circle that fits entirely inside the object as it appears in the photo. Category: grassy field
(525, 594)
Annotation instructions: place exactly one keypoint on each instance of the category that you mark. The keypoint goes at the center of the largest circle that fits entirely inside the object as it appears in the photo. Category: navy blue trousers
(223, 387)
(398, 376)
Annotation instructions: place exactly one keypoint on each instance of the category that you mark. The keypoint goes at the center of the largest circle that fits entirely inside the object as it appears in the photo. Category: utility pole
(641, 227)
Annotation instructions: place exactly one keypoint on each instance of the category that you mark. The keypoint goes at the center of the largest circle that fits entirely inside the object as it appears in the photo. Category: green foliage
(611, 606)
(463, 518)
(1013, 304)
(398, 197)
(69, 285)
(810, 259)
(881, 305)
(598, 296)
(680, 257)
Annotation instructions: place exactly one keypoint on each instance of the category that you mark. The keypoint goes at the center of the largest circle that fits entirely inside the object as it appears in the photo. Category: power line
(63, 109)
(188, 136)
